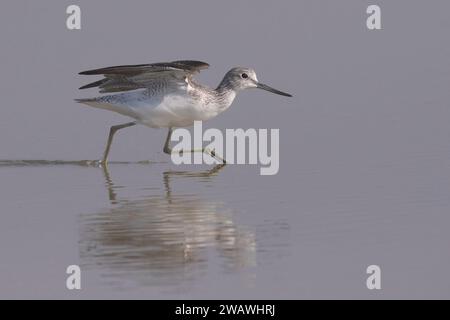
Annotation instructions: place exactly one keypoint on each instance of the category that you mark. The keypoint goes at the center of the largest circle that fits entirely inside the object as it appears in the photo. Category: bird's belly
(174, 111)
(160, 110)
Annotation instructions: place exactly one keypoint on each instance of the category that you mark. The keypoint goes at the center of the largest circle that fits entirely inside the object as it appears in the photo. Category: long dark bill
(270, 89)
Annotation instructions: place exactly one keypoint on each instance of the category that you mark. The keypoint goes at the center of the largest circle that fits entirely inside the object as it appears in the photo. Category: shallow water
(154, 230)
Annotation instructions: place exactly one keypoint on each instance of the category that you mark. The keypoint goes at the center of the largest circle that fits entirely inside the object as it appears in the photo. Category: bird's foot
(213, 154)
(102, 163)
(167, 150)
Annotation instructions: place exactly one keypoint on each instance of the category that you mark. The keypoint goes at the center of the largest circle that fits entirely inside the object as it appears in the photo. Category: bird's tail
(83, 100)
(101, 104)
(94, 103)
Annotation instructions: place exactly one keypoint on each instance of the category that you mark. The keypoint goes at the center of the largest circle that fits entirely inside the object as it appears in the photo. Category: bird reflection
(164, 238)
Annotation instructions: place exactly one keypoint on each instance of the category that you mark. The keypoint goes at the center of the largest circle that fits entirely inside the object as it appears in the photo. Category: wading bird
(165, 95)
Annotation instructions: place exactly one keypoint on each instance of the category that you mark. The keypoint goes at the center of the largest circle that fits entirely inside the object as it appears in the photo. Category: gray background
(365, 153)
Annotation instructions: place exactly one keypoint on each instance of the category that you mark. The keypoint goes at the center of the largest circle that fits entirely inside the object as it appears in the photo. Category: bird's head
(244, 78)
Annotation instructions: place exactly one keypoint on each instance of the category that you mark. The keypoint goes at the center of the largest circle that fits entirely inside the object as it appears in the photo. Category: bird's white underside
(176, 109)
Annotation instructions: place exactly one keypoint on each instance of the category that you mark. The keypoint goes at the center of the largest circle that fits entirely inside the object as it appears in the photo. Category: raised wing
(131, 77)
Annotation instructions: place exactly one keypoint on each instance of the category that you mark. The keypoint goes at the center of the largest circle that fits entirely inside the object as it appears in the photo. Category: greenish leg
(112, 132)
(167, 149)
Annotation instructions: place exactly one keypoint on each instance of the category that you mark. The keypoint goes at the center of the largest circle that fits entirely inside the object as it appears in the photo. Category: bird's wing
(131, 77)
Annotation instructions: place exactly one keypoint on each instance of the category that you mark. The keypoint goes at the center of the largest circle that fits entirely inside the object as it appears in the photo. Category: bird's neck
(225, 85)
(225, 94)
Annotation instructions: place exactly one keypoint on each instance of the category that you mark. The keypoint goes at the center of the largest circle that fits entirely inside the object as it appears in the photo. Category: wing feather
(132, 77)
(184, 65)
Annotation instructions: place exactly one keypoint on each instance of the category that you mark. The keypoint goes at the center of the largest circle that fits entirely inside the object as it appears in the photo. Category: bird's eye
(244, 76)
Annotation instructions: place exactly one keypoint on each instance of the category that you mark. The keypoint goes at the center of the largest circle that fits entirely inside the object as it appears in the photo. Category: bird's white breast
(171, 110)
(176, 107)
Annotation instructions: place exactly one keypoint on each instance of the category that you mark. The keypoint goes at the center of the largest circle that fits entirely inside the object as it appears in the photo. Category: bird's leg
(167, 149)
(112, 131)
(213, 154)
